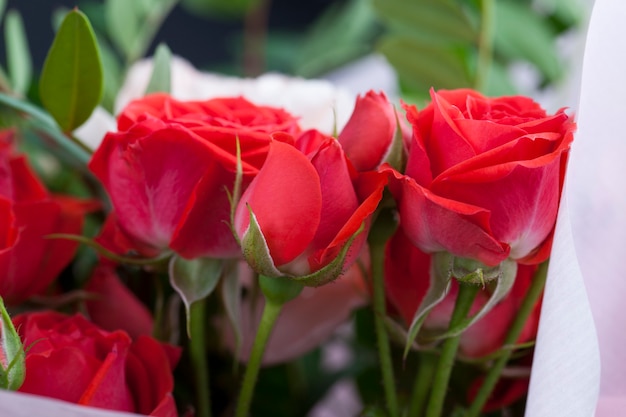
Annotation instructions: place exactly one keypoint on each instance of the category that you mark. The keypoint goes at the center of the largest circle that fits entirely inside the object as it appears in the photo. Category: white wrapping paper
(571, 366)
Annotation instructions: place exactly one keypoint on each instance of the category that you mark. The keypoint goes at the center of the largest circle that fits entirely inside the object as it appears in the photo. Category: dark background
(205, 41)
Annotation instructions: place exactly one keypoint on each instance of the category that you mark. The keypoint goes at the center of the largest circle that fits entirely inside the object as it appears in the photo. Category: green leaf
(499, 82)
(19, 63)
(122, 18)
(3, 5)
(132, 25)
(160, 81)
(431, 20)
(71, 80)
(112, 75)
(520, 33)
(45, 126)
(12, 357)
(194, 279)
(421, 65)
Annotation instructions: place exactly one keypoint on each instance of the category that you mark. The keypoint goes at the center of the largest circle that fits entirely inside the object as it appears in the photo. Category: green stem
(464, 301)
(377, 253)
(421, 386)
(526, 309)
(485, 44)
(197, 353)
(255, 38)
(270, 314)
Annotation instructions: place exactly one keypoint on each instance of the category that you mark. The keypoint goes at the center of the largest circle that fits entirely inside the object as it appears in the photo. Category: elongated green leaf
(421, 65)
(71, 80)
(3, 5)
(161, 78)
(122, 18)
(522, 34)
(194, 279)
(66, 149)
(431, 20)
(112, 75)
(19, 63)
(133, 24)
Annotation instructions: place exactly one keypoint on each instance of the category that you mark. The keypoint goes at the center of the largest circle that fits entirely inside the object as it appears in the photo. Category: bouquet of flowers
(209, 249)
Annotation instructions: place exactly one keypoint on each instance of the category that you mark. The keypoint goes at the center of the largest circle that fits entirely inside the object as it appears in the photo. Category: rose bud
(306, 214)
(373, 134)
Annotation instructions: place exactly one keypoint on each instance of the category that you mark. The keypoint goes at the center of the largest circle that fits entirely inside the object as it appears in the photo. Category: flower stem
(197, 352)
(421, 386)
(530, 300)
(255, 38)
(464, 301)
(377, 253)
(485, 44)
(270, 314)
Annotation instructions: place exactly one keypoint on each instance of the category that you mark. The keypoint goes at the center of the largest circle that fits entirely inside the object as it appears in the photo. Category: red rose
(167, 169)
(483, 177)
(307, 206)
(407, 277)
(71, 359)
(368, 136)
(28, 261)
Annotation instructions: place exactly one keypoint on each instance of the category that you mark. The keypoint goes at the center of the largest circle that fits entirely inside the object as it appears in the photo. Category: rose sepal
(257, 254)
(12, 356)
(501, 277)
(437, 291)
(446, 266)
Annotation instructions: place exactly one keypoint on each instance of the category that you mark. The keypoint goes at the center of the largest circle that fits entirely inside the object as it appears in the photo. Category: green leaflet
(72, 80)
(19, 63)
(161, 78)
(194, 279)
